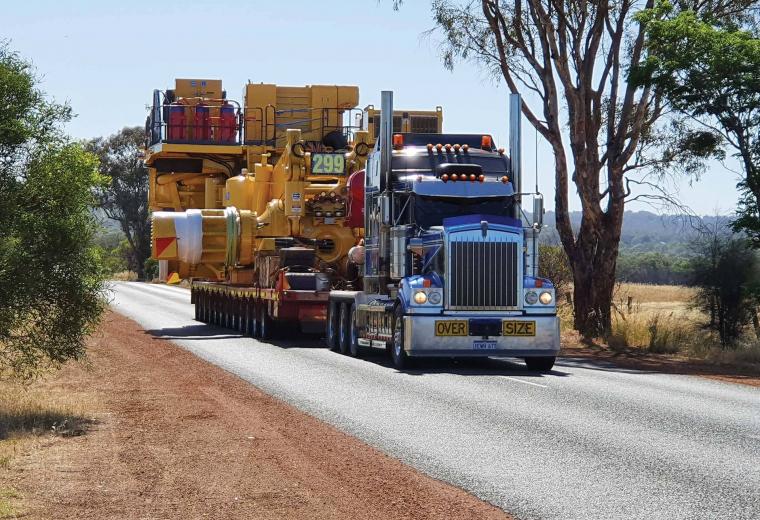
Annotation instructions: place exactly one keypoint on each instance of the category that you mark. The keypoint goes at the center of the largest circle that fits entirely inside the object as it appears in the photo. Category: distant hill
(643, 231)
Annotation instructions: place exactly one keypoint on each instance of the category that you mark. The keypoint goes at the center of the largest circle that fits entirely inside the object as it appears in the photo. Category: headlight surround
(434, 297)
(546, 298)
(531, 297)
(420, 297)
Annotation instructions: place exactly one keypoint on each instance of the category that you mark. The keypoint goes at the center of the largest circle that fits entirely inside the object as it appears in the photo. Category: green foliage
(707, 69)
(727, 272)
(125, 198)
(554, 265)
(113, 251)
(151, 268)
(50, 283)
(653, 267)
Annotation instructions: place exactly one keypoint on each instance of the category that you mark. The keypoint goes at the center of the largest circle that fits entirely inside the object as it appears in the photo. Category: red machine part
(227, 124)
(355, 184)
(177, 128)
(202, 123)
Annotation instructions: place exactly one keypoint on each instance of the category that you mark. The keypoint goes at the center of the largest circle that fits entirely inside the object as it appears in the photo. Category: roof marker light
(445, 177)
(454, 177)
(486, 143)
(501, 151)
(505, 179)
(398, 141)
(465, 147)
(448, 147)
(456, 148)
(481, 178)
(439, 147)
(473, 177)
(430, 147)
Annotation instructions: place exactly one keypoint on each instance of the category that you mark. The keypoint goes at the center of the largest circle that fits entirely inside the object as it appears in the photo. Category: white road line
(526, 382)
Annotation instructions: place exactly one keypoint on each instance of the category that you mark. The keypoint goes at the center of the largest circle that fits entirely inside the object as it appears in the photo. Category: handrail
(195, 123)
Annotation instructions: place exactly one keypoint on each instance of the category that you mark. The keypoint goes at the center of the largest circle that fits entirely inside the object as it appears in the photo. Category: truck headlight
(531, 297)
(420, 297)
(546, 297)
(434, 297)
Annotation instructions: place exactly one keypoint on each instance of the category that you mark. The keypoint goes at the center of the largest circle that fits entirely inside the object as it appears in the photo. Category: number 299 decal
(328, 164)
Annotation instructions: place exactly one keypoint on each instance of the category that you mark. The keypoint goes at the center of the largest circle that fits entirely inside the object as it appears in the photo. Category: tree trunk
(593, 288)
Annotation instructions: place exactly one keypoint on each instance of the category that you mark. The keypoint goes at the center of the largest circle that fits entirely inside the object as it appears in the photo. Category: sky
(105, 58)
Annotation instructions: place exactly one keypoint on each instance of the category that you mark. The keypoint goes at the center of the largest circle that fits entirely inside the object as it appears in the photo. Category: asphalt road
(585, 441)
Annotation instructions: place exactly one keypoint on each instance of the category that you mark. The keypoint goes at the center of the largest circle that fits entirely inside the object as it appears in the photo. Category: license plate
(451, 328)
(518, 328)
(484, 345)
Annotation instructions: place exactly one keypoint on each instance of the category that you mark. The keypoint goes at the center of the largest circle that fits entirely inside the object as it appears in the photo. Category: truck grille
(483, 275)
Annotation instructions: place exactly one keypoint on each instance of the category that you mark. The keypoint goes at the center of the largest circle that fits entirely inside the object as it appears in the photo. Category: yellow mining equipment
(300, 201)
(193, 145)
(263, 225)
(197, 139)
(404, 121)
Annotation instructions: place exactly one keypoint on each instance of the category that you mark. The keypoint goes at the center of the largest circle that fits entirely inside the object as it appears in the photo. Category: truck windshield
(430, 211)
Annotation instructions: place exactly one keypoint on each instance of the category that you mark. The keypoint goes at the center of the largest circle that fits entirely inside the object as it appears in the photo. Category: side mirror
(538, 211)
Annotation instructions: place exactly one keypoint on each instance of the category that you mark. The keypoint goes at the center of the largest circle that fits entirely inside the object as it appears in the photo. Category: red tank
(355, 185)
(227, 131)
(177, 127)
(202, 124)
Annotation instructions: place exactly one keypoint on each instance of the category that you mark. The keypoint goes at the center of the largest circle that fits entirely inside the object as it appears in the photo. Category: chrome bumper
(420, 339)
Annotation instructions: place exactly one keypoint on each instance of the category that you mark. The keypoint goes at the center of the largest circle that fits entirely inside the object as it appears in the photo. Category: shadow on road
(420, 366)
(460, 366)
(196, 332)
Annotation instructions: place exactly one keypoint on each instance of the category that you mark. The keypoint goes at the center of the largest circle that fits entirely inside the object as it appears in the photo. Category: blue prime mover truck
(448, 264)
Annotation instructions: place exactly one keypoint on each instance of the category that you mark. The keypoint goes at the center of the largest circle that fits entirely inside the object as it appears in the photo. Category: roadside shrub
(554, 265)
(51, 288)
(727, 272)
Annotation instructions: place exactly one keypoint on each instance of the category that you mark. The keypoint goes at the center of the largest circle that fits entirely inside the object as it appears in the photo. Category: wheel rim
(342, 332)
(331, 325)
(263, 322)
(353, 345)
(397, 350)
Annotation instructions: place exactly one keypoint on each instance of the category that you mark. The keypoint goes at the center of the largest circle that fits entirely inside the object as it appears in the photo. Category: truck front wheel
(354, 350)
(398, 354)
(331, 325)
(541, 363)
(344, 333)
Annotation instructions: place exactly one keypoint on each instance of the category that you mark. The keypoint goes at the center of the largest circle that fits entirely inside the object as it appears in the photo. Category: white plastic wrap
(189, 228)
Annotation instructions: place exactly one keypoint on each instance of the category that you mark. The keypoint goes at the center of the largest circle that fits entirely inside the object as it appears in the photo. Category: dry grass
(124, 276)
(660, 319)
(30, 412)
(7, 509)
(650, 293)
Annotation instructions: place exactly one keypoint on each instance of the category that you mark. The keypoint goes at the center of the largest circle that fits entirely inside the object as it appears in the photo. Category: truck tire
(540, 363)
(331, 325)
(344, 330)
(265, 322)
(199, 303)
(398, 354)
(256, 325)
(248, 317)
(354, 350)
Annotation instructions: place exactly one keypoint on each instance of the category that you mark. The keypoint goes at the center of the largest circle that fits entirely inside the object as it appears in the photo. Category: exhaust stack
(515, 140)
